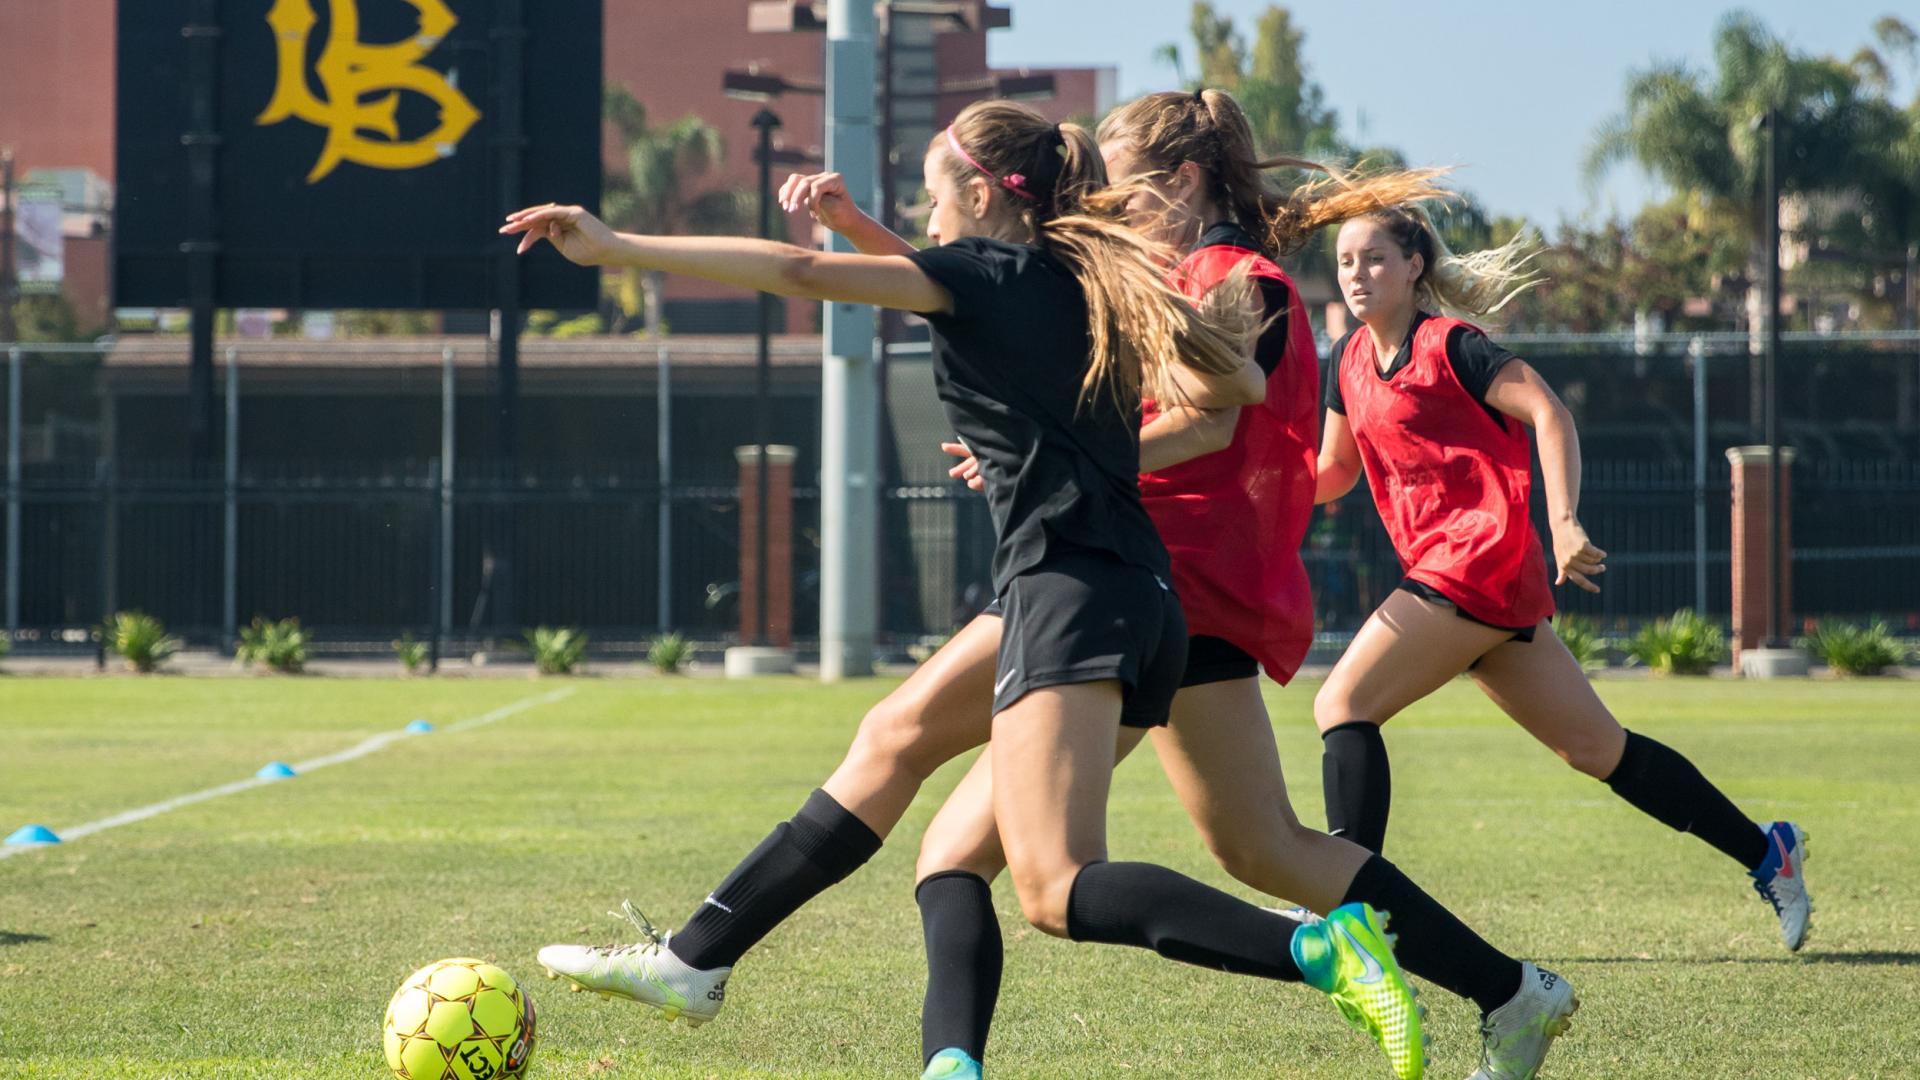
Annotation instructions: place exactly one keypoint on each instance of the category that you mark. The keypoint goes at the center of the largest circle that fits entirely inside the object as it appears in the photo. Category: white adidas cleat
(1781, 881)
(1514, 1037)
(646, 972)
(1301, 916)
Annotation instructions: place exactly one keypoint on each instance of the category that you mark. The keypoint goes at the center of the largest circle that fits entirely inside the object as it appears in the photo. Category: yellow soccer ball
(460, 1019)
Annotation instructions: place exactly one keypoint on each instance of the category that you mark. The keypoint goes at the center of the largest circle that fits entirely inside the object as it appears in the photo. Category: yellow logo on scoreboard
(349, 71)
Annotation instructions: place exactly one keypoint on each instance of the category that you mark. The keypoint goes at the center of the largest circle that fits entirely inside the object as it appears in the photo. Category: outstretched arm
(782, 269)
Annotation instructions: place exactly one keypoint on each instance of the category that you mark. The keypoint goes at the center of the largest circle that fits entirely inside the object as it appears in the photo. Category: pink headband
(1014, 182)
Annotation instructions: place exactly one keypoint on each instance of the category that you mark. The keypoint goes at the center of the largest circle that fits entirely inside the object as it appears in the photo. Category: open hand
(578, 235)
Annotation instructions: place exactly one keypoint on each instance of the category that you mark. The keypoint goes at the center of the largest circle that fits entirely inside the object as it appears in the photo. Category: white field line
(368, 746)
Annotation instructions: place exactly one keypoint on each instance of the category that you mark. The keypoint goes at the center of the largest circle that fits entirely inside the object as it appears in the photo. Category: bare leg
(937, 714)
(1220, 756)
(963, 835)
(943, 710)
(959, 856)
(1053, 753)
(1541, 686)
(1408, 649)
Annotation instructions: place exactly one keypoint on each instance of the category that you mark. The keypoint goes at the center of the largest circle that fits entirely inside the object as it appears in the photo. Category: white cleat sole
(667, 1013)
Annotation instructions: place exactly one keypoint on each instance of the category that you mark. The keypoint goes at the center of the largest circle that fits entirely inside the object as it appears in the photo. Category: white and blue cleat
(1781, 881)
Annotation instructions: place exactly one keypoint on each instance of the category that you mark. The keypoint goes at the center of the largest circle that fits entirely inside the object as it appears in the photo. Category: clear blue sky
(1509, 91)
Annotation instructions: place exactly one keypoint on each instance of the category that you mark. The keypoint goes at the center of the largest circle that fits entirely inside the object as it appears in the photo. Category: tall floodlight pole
(764, 121)
(849, 428)
(1770, 211)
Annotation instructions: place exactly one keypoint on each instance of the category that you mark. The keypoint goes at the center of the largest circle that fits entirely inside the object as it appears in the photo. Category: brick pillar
(1753, 584)
(779, 519)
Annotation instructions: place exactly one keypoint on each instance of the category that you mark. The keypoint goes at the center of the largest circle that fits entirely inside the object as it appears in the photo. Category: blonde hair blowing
(1465, 286)
(1208, 128)
(1139, 327)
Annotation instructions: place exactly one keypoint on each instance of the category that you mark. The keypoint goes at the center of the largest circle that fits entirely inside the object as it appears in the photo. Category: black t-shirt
(1474, 357)
(1008, 361)
(1274, 294)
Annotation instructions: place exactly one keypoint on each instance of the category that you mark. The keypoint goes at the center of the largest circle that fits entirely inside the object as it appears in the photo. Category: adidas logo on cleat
(719, 991)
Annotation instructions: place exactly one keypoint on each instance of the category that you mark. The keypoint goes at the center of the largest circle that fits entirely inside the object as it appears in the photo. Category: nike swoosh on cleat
(1786, 863)
(1373, 973)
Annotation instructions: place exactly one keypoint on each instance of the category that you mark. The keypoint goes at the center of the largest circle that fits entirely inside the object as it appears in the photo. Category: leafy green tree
(45, 318)
(1696, 131)
(1286, 108)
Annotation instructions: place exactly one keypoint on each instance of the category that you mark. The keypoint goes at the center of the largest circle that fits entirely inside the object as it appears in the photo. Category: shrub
(280, 645)
(1583, 639)
(557, 650)
(668, 653)
(412, 653)
(1686, 644)
(1855, 650)
(139, 639)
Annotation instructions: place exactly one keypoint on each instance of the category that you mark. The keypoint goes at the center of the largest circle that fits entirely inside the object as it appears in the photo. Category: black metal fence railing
(356, 555)
(349, 524)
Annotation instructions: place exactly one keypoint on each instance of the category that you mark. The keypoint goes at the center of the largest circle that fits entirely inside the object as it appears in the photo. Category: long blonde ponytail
(1139, 326)
(1208, 128)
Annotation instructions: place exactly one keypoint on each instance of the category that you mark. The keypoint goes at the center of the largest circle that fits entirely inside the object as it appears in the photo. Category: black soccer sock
(1665, 786)
(1358, 782)
(1433, 943)
(1179, 918)
(963, 963)
(819, 847)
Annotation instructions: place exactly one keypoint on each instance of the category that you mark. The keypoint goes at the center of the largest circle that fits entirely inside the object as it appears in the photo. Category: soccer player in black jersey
(1051, 321)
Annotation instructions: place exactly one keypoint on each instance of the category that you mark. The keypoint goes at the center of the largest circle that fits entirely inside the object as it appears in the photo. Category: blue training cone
(33, 834)
(419, 727)
(275, 770)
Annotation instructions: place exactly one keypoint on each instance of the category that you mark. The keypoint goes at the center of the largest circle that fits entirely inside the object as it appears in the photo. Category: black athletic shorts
(1085, 617)
(1432, 595)
(1209, 659)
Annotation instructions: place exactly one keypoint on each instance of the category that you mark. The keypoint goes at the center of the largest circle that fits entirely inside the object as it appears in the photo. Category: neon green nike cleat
(952, 1063)
(1349, 957)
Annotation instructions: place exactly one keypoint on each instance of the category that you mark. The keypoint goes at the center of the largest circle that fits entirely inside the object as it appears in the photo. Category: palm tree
(1697, 131)
(653, 194)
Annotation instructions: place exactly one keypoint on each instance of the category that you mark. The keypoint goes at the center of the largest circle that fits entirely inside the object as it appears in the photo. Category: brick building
(57, 92)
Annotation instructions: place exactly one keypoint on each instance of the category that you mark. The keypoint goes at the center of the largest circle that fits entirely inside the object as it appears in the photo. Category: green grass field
(260, 934)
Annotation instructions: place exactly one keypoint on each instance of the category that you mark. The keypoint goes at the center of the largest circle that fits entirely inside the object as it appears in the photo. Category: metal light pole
(848, 400)
(764, 122)
(1769, 374)
(9, 284)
